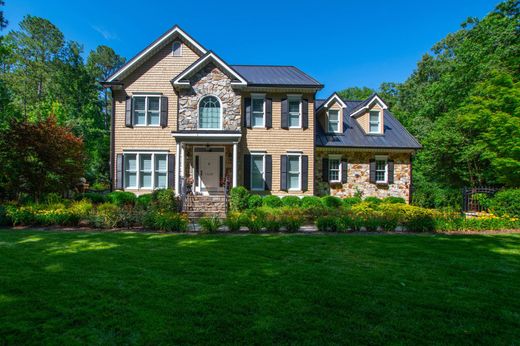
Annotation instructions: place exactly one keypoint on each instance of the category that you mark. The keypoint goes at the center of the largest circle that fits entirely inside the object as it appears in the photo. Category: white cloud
(107, 35)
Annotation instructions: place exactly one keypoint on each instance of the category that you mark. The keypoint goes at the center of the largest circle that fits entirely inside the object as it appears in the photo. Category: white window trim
(299, 99)
(378, 121)
(146, 96)
(262, 97)
(299, 155)
(338, 121)
(335, 157)
(138, 171)
(263, 173)
(221, 113)
(382, 158)
(180, 48)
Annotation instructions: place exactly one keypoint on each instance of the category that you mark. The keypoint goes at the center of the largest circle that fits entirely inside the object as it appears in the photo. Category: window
(209, 113)
(294, 111)
(294, 172)
(381, 170)
(177, 48)
(146, 170)
(374, 122)
(333, 121)
(334, 170)
(258, 111)
(147, 110)
(257, 172)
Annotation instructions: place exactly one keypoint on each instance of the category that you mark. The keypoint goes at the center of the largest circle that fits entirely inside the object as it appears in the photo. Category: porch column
(183, 163)
(235, 166)
(177, 168)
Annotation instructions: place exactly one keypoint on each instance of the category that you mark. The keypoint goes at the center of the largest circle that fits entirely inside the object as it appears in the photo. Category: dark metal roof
(260, 75)
(395, 135)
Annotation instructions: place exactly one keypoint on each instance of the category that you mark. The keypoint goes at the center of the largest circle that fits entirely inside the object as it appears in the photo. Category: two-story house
(185, 119)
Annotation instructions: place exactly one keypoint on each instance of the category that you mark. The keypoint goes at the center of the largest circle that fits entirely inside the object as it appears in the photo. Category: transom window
(209, 113)
(177, 48)
(334, 169)
(146, 171)
(257, 172)
(294, 111)
(333, 121)
(258, 111)
(147, 110)
(374, 122)
(294, 172)
(381, 170)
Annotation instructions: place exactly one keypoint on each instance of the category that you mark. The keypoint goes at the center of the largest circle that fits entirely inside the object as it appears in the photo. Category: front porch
(206, 163)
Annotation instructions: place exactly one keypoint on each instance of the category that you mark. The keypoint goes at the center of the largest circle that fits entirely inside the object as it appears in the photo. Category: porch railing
(469, 197)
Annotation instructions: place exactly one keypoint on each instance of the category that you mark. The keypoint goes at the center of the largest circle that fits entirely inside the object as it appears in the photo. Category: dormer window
(375, 122)
(333, 121)
(177, 48)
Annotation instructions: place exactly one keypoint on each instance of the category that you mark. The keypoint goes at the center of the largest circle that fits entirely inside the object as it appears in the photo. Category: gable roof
(364, 105)
(272, 76)
(140, 57)
(181, 79)
(326, 103)
(395, 134)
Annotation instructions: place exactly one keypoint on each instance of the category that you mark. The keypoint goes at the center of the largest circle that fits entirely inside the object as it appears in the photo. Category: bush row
(503, 203)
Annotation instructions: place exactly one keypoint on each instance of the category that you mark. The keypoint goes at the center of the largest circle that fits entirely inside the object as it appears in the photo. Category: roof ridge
(264, 65)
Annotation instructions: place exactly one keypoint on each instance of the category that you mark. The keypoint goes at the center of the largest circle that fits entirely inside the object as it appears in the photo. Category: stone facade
(358, 175)
(209, 81)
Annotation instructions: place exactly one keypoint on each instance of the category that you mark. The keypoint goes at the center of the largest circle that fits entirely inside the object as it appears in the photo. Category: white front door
(208, 172)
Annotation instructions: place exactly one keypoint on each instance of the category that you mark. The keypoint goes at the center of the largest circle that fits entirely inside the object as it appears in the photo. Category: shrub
(291, 219)
(53, 198)
(272, 201)
(121, 198)
(350, 201)
(164, 199)
(210, 224)
(144, 201)
(233, 221)
(254, 201)
(239, 197)
(167, 221)
(311, 202)
(394, 200)
(105, 216)
(5, 220)
(254, 221)
(291, 201)
(506, 203)
(328, 224)
(81, 208)
(350, 223)
(93, 197)
(372, 200)
(331, 201)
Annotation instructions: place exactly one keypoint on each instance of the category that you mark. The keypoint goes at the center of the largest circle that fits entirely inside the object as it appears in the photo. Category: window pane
(130, 162)
(293, 164)
(139, 117)
(333, 115)
(209, 113)
(294, 181)
(153, 103)
(153, 118)
(334, 166)
(258, 105)
(130, 179)
(294, 106)
(333, 126)
(294, 120)
(146, 162)
(293, 167)
(176, 48)
(374, 116)
(139, 103)
(381, 170)
(257, 172)
(160, 162)
(146, 180)
(258, 120)
(374, 127)
(160, 180)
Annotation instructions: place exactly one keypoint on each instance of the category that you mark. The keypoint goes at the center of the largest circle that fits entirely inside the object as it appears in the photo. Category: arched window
(209, 113)
(177, 48)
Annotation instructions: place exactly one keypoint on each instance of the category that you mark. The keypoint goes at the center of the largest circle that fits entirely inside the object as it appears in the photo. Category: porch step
(205, 206)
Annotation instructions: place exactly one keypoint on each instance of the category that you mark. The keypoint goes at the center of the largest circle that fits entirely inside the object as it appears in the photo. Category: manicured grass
(134, 288)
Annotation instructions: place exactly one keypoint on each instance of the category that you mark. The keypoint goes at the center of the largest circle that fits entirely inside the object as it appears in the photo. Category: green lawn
(135, 288)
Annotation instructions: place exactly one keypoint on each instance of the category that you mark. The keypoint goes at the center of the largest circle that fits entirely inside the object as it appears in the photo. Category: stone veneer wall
(358, 175)
(209, 81)
(189, 165)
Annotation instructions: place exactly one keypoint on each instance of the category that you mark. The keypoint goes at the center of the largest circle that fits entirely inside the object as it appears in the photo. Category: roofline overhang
(374, 98)
(332, 97)
(195, 135)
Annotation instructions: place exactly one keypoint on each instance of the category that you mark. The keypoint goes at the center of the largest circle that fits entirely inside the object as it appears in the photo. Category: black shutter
(247, 112)
(128, 112)
(247, 171)
(283, 172)
(285, 114)
(325, 170)
(305, 172)
(197, 169)
(171, 171)
(305, 113)
(119, 171)
(344, 171)
(373, 171)
(390, 171)
(268, 113)
(221, 171)
(268, 172)
(164, 111)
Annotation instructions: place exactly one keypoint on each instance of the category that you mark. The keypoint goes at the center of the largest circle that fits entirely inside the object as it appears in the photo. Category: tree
(355, 93)
(3, 21)
(39, 157)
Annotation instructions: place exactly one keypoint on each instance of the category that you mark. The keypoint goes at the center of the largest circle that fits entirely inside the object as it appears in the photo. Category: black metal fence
(469, 197)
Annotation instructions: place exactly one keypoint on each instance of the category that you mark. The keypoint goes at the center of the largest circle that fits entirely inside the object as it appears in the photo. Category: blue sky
(340, 43)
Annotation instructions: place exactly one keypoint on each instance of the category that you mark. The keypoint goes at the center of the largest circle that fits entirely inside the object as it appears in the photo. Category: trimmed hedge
(291, 201)
(272, 201)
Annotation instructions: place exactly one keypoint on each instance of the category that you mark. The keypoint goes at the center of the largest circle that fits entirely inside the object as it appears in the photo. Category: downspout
(112, 140)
